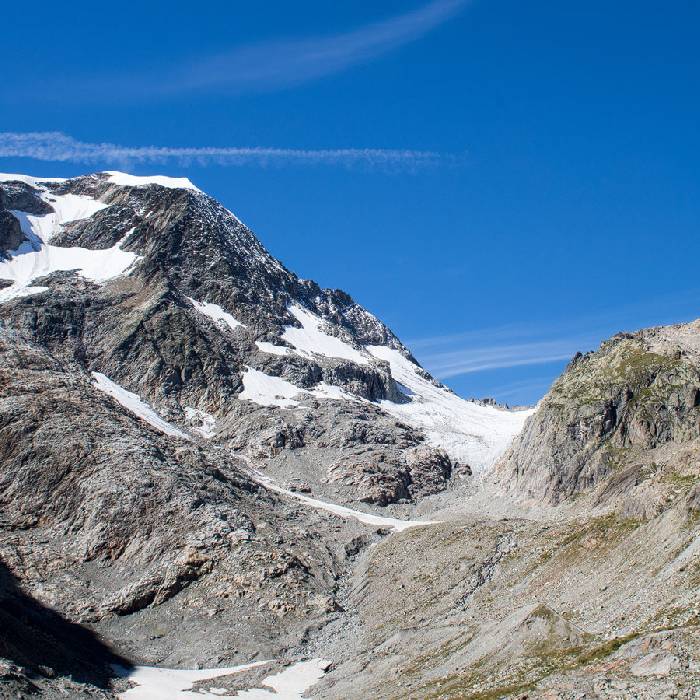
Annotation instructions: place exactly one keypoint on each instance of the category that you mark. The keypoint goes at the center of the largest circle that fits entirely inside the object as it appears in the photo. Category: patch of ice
(469, 433)
(310, 340)
(126, 180)
(27, 263)
(203, 422)
(168, 683)
(272, 349)
(67, 208)
(133, 403)
(36, 257)
(216, 314)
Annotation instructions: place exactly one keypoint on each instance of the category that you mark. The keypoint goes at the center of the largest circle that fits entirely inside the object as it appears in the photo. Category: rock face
(609, 414)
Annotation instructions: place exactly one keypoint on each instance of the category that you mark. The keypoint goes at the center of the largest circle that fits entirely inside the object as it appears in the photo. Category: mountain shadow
(47, 645)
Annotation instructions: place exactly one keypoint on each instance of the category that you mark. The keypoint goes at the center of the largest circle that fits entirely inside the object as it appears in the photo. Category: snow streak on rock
(216, 314)
(310, 340)
(342, 511)
(133, 403)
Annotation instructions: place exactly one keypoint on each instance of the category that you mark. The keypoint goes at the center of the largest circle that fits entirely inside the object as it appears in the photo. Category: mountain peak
(180, 288)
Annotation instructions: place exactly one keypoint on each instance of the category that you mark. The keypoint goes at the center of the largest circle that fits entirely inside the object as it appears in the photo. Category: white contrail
(59, 147)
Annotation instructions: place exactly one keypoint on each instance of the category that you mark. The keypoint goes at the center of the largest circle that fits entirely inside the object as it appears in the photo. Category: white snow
(16, 291)
(173, 683)
(290, 684)
(470, 433)
(272, 349)
(216, 314)
(36, 257)
(29, 179)
(126, 180)
(342, 511)
(203, 422)
(330, 391)
(310, 340)
(133, 403)
(67, 208)
(266, 390)
(169, 683)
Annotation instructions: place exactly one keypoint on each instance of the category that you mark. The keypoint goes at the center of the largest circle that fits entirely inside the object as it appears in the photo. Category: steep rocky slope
(176, 300)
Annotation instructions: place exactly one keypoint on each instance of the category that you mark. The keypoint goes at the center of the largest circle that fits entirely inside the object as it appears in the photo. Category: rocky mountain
(166, 293)
(219, 479)
(621, 423)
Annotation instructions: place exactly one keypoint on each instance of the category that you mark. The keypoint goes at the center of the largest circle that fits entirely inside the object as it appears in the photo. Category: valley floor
(512, 602)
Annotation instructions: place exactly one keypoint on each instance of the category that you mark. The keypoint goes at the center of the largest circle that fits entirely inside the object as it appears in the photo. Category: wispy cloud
(260, 66)
(467, 360)
(525, 344)
(279, 63)
(58, 147)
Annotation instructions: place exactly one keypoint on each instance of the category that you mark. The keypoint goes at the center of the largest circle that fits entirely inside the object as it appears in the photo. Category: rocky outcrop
(608, 414)
(11, 236)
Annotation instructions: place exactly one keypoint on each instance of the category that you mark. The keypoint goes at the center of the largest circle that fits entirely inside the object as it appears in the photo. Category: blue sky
(502, 182)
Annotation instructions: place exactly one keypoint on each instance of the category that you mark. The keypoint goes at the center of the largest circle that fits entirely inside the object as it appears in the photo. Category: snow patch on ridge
(310, 340)
(266, 390)
(173, 183)
(203, 422)
(469, 433)
(272, 349)
(133, 403)
(216, 314)
(36, 257)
